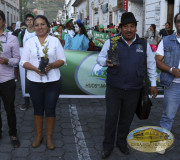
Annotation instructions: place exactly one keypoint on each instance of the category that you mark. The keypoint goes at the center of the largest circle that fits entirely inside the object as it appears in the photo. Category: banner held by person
(82, 77)
(101, 36)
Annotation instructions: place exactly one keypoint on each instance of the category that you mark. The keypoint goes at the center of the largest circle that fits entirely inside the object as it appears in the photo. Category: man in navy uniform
(124, 82)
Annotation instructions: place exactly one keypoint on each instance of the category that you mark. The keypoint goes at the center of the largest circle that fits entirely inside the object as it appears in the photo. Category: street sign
(122, 5)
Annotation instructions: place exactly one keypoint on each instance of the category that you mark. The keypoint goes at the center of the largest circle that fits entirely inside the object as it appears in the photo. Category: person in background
(15, 33)
(69, 27)
(123, 84)
(89, 33)
(101, 28)
(9, 57)
(13, 26)
(152, 36)
(23, 36)
(44, 89)
(111, 26)
(61, 33)
(166, 31)
(111, 32)
(17, 29)
(80, 40)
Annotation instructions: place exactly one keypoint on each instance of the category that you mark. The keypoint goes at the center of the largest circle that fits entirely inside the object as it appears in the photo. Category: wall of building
(81, 11)
(69, 8)
(156, 12)
(137, 9)
(11, 10)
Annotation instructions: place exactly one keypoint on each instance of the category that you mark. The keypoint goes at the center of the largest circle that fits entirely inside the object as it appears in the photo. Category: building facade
(11, 10)
(159, 12)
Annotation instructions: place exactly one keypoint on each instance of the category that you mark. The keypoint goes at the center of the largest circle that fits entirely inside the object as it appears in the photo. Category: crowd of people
(43, 54)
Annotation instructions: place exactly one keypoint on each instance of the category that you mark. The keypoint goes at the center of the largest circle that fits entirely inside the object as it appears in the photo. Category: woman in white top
(44, 89)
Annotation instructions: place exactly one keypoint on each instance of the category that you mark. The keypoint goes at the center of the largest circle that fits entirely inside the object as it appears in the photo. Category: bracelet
(170, 71)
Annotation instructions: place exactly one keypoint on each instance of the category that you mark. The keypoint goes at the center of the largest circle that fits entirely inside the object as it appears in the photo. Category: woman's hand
(38, 72)
(49, 67)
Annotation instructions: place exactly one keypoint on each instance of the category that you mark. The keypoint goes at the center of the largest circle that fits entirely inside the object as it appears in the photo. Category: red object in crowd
(111, 27)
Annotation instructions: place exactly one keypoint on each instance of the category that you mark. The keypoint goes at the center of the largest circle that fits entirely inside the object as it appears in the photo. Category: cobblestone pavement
(78, 133)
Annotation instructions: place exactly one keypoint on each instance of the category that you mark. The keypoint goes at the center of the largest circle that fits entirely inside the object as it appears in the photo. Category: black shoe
(14, 141)
(106, 154)
(124, 150)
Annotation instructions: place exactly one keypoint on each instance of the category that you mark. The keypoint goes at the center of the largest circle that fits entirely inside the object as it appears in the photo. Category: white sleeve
(151, 66)
(60, 51)
(103, 55)
(160, 49)
(25, 57)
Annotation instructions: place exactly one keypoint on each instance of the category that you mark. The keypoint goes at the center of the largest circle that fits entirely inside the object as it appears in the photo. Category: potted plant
(113, 52)
(44, 60)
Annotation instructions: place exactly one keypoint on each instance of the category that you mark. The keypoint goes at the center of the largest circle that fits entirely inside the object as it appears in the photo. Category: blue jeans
(44, 97)
(170, 105)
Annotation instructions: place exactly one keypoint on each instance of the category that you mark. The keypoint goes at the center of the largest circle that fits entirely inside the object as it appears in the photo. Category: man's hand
(109, 64)
(176, 72)
(4, 60)
(154, 92)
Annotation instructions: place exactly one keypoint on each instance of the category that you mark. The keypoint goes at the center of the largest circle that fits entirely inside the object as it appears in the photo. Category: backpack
(22, 36)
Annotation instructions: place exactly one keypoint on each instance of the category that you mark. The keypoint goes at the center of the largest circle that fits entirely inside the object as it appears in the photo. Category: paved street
(78, 133)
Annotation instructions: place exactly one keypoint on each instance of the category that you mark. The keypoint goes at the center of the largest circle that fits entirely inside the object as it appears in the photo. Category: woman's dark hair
(168, 23)
(44, 18)
(83, 30)
(2, 15)
(175, 18)
(154, 28)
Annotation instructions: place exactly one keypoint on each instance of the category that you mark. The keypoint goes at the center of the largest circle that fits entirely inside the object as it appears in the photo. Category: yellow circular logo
(150, 139)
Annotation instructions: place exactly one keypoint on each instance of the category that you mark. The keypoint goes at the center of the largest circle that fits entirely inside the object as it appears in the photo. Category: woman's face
(40, 27)
(77, 28)
(151, 28)
(2, 23)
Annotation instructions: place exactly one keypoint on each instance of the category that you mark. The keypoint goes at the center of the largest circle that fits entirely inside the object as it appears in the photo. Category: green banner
(82, 76)
(101, 36)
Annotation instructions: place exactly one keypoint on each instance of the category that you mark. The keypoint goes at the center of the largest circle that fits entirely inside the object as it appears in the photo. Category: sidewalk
(78, 133)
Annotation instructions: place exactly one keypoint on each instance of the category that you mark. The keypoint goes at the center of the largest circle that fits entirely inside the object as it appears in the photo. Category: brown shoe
(38, 124)
(50, 122)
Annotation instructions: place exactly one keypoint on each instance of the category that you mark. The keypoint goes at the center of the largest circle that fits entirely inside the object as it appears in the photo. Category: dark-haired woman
(152, 36)
(44, 88)
(80, 40)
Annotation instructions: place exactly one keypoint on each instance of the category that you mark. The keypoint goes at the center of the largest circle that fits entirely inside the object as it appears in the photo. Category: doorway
(170, 12)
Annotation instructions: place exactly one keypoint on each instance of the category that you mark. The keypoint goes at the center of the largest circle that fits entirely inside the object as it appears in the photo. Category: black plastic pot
(114, 57)
(43, 64)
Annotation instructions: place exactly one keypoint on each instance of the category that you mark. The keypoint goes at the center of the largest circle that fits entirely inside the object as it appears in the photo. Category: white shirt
(27, 36)
(151, 63)
(55, 52)
(160, 51)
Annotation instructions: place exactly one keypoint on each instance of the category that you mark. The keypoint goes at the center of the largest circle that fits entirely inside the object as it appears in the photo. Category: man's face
(128, 31)
(2, 23)
(178, 23)
(29, 22)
